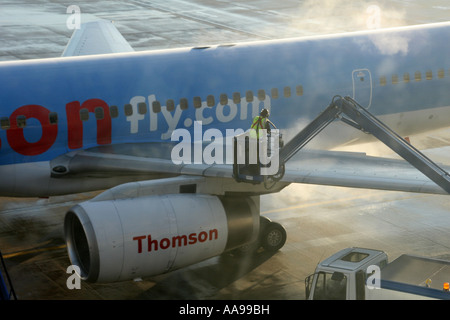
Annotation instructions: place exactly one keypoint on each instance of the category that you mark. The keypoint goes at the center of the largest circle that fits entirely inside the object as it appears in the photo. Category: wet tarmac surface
(41, 29)
(319, 220)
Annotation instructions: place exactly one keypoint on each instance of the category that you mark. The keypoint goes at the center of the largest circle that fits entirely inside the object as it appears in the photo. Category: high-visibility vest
(258, 124)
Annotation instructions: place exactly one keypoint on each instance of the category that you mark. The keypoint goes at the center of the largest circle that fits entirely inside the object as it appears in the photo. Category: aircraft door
(362, 87)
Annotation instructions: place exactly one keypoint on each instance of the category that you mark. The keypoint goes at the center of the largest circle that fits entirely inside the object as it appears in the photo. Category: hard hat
(264, 113)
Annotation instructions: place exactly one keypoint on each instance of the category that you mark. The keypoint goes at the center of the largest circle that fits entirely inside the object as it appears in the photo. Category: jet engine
(123, 239)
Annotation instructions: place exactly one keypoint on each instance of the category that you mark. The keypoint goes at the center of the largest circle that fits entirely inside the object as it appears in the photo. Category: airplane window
(261, 95)
(170, 105)
(84, 114)
(223, 99)
(274, 93)
(383, 81)
(299, 90)
(53, 117)
(142, 108)
(287, 92)
(197, 102)
(210, 101)
(394, 79)
(114, 111)
(236, 97)
(429, 75)
(99, 114)
(184, 104)
(406, 77)
(128, 108)
(441, 73)
(156, 106)
(249, 96)
(4, 123)
(418, 76)
(21, 121)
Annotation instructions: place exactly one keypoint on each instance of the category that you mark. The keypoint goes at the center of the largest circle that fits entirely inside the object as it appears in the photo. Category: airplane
(103, 117)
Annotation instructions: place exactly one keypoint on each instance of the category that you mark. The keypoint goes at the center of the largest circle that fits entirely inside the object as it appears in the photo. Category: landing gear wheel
(273, 237)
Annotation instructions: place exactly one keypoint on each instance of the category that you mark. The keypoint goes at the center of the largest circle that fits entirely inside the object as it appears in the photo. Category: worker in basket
(260, 123)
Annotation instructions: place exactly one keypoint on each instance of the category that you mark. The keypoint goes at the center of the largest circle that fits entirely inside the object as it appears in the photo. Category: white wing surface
(334, 168)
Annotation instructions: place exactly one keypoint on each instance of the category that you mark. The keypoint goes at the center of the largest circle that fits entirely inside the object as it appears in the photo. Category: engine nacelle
(124, 239)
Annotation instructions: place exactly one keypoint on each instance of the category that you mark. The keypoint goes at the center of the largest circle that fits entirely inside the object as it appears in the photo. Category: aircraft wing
(333, 168)
(358, 170)
(96, 37)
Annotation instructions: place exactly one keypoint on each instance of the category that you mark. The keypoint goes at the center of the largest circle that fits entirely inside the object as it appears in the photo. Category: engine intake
(116, 240)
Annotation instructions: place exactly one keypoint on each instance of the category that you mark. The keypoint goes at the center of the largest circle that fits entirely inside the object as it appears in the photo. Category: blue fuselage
(54, 106)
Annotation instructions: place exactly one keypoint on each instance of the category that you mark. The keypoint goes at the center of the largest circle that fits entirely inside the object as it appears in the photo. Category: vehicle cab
(343, 275)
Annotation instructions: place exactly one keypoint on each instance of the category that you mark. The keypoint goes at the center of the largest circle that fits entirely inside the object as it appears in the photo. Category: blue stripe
(413, 289)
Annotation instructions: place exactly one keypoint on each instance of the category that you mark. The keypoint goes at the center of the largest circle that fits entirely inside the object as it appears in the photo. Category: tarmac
(319, 220)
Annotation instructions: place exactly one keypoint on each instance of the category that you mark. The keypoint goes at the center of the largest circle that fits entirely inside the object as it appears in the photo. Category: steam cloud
(334, 16)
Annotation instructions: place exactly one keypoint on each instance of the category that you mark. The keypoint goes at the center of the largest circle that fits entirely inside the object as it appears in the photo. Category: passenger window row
(210, 101)
(407, 78)
(170, 105)
(22, 121)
